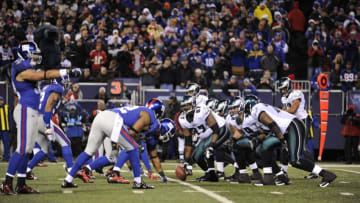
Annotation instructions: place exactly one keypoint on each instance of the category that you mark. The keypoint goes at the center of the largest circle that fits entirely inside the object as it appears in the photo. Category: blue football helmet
(167, 129)
(157, 106)
(250, 101)
(30, 50)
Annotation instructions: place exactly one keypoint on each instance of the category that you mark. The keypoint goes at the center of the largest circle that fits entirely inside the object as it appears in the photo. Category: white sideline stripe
(356, 172)
(204, 191)
(67, 191)
(346, 193)
(138, 192)
(276, 193)
(344, 182)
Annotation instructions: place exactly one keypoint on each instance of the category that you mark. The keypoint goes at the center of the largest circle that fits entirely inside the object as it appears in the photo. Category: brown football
(180, 173)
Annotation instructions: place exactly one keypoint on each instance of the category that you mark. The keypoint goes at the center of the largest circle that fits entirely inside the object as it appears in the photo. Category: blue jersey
(131, 114)
(45, 93)
(27, 91)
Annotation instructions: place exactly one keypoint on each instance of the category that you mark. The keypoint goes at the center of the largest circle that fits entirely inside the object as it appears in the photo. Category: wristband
(63, 73)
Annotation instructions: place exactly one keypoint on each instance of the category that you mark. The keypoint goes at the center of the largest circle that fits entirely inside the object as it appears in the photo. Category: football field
(346, 188)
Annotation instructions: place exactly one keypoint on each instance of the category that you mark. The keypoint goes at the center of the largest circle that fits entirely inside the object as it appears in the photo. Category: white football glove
(50, 134)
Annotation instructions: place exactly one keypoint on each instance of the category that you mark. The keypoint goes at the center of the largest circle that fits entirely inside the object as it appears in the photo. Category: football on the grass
(180, 173)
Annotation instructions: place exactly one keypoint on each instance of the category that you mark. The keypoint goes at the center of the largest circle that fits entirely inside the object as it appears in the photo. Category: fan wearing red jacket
(98, 58)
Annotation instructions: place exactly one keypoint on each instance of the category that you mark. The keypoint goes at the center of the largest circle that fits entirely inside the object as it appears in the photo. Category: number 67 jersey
(198, 121)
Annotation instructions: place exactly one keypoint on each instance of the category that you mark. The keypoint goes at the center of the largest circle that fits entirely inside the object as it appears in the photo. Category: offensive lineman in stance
(138, 119)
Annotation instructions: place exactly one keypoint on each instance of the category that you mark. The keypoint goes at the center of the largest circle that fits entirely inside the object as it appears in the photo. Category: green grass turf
(300, 190)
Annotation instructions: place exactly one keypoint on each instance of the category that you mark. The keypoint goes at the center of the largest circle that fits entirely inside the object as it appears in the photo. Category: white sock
(236, 165)
(21, 175)
(88, 166)
(243, 171)
(28, 170)
(181, 156)
(69, 178)
(116, 169)
(69, 169)
(317, 169)
(253, 166)
(267, 170)
(220, 166)
(280, 173)
(285, 168)
(210, 169)
(137, 179)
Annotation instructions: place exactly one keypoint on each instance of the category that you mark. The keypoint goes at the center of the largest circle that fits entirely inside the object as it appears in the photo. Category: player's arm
(236, 133)
(211, 122)
(53, 98)
(265, 119)
(31, 74)
(188, 144)
(294, 106)
(142, 124)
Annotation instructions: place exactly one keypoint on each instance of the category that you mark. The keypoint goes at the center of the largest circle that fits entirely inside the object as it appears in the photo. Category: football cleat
(282, 180)
(82, 175)
(7, 189)
(311, 176)
(26, 190)
(233, 176)
(115, 178)
(100, 171)
(256, 176)
(220, 174)
(244, 178)
(66, 184)
(327, 178)
(30, 176)
(153, 176)
(109, 171)
(208, 177)
(142, 185)
(268, 180)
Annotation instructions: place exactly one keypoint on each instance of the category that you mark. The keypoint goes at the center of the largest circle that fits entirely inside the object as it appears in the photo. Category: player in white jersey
(193, 89)
(290, 131)
(212, 131)
(294, 102)
(242, 146)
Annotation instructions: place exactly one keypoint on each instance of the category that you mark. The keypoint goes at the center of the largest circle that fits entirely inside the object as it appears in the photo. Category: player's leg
(251, 160)
(43, 143)
(242, 146)
(114, 176)
(65, 144)
(220, 158)
(296, 131)
(145, 159)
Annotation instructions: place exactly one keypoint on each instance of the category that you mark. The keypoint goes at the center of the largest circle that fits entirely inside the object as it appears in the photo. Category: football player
(242, 130)
(193, 90)
(138, 119)
(24, 78)
(294, 102)
(212, 131)
(289, 132)
(50, 99)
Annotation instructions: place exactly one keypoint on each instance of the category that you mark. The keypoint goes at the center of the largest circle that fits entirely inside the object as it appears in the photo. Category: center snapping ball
(180, 173)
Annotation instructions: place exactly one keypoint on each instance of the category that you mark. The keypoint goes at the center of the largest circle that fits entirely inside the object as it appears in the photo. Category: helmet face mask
(250, 101)
(167, 130)
(192, 89)
(236, 106)
(211, 103)
(285, 85)
(30, 50)
(221, 108)
(188, 107)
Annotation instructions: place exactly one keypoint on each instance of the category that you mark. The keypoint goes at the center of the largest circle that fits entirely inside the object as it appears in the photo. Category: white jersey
(201, 99)
(281, 118)
(288, 100)
(201, 114)
(249, 125)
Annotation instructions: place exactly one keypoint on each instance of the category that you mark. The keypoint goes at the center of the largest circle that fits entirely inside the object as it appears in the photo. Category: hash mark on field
(277, 193)
(204, 191)
(346, 194)
(356, 172)
(344, 182)
(138, 192)
(67, 191)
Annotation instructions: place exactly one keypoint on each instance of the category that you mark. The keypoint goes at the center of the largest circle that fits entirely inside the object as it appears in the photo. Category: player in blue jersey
(24, 79)
(123, 132)
(50, 99)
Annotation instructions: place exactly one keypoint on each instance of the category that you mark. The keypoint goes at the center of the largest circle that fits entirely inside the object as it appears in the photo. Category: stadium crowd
(171, 43)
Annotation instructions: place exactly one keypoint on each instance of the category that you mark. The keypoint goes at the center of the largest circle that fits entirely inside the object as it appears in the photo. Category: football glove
(50, 134)
(75, 72)
(188, 169)
(209, 152)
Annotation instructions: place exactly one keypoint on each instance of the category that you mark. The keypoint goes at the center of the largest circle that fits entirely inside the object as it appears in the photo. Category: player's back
(27, 91)
(45, 93)
(131, 114)
(301, 111)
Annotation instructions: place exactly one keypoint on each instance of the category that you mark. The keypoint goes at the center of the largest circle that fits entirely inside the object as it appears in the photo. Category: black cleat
(311, 176)
(234, 176)
(30, 176)
(256, 176)
(7, 189)
(100, 171)
(208, 177)
(142, 185)
(282, 179)
(268, 180)
(327, 178)
(25, 190)
(244, 178)
(66, 184)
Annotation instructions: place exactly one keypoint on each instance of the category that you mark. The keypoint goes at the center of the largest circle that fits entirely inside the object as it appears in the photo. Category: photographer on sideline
(351, 133)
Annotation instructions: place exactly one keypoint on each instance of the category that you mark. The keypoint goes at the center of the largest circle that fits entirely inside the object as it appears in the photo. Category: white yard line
(202, 190)
(349, 171)
(138, 192)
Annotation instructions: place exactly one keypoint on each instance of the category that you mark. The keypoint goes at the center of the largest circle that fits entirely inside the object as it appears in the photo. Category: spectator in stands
(279, 42)
(114, 47)
(5, 127)
(266, 82)
(208, 59)
(215, 85)
(238, 55)
(167, 76)
(254, 58)
(262, 11)
(138, 59)
(149, 75)
(315, 54)
(172, 108)
(351, 133)
(80, 54)
(65, 63)
(184, 74)
(351, 46)
(247, 85)
(86, 76)
(102, 95)
(271, 62)
(335, 77)
(348, 78)
(124, 59)
(103, 76)
(231, 84)
(126, 93)
(74, 93)
(114, 69)
(98, 58)
(6, 54)
(199, 78)
(296, 19)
